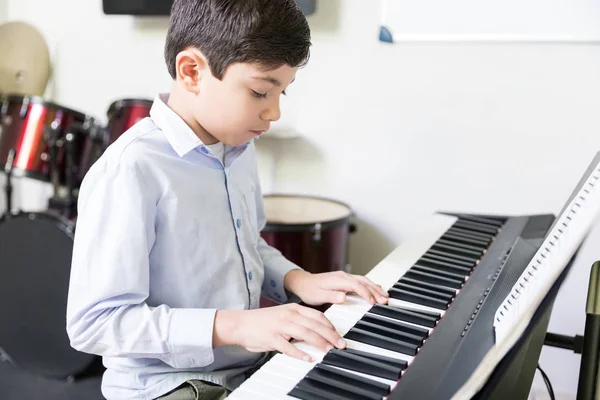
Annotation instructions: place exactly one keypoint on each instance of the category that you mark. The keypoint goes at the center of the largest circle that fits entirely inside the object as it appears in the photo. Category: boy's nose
(273, 113)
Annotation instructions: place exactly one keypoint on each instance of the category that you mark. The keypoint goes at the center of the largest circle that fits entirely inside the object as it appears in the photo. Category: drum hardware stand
(70, 150)
(588, 346)
(8, 168)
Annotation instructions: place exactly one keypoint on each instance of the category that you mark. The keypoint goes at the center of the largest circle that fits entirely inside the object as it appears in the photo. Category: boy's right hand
(268, 329)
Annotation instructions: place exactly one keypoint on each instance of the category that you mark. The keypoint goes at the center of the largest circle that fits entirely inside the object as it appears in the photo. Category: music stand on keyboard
(513, 376)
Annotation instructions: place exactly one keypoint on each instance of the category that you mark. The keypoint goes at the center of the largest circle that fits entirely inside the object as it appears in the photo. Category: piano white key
(266, 381)
(257, 392)
(388, 382)
(301, 367)
(351, 344)
(414, 306)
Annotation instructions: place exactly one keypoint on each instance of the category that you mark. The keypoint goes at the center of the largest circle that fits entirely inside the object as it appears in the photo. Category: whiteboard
(490, 20)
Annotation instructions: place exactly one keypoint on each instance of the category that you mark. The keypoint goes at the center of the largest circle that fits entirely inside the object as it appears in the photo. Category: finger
(329, 334)
(378, 289)
(290, 350)
(349, 284)
(375, 291)
(363, 291)
(316, 315)
(301, 332)
(380, 299)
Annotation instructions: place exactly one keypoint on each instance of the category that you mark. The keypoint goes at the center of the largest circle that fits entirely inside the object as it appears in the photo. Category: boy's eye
(258, 95)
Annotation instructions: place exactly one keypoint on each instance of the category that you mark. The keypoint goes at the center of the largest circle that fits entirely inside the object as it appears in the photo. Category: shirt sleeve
(276, 265)
(107, 312)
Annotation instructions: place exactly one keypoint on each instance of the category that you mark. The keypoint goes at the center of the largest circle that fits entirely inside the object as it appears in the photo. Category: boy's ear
(191, 66)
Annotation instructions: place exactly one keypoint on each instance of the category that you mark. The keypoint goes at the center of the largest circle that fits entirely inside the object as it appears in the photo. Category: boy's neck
(179, 99)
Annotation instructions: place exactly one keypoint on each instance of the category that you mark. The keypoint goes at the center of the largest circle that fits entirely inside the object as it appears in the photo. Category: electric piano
(436, 327)
(460, 289)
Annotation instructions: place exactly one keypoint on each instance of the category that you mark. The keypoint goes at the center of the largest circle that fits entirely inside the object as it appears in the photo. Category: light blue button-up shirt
(166, 235)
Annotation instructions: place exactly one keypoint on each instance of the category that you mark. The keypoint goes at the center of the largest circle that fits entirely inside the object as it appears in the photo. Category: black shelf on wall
(163, 7)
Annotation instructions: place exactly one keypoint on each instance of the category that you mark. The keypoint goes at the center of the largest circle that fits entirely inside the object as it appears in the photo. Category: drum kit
(43, 141)
(46, 142)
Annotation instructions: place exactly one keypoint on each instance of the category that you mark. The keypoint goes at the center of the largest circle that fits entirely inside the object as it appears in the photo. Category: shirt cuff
(190, 337)
(275, 272)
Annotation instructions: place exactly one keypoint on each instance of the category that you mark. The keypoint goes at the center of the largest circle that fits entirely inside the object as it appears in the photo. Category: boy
(168, 263)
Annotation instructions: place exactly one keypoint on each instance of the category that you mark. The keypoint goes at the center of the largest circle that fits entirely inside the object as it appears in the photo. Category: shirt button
(273, 284)
(204, 150)
(238, 223)
(250, 275)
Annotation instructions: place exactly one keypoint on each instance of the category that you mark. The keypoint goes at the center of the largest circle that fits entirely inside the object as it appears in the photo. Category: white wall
(3, 9)
(395, 131)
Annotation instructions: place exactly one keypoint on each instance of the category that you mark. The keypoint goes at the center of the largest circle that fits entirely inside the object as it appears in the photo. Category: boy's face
(241, 105)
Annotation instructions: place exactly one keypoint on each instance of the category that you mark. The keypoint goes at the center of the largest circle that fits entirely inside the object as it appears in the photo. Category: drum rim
(309, 226)
(42, 101)
(129, 101)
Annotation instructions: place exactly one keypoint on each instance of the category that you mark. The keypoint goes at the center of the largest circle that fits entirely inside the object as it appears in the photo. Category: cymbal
(24, 60)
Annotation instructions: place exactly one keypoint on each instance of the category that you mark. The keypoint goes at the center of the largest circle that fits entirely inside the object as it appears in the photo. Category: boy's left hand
(331, 287)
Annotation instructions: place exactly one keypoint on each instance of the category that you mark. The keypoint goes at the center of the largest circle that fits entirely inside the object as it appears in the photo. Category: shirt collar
(180, 136)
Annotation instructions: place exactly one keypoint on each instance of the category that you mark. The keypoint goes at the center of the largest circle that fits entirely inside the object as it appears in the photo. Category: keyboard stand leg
(589, 374)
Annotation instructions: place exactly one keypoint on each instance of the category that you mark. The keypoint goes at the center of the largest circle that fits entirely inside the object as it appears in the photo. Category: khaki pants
(199, 390)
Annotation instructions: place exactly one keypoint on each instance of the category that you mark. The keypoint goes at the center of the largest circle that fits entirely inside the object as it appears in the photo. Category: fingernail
(306, 358)
(341, 343)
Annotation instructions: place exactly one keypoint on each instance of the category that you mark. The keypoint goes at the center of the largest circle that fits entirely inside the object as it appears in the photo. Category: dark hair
(271, 33)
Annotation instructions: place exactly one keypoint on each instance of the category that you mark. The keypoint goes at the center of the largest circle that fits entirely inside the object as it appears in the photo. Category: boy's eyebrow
(272, 80)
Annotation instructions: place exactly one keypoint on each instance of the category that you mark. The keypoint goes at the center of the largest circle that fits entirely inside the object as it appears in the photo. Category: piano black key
(477, 227)
(439, 271)
(486, 238)
(412, 297)
(484, 220)
(389, 332)
(382, 341)
(423, 318)
(449, 258)
(459, 251)
(307, 389)
(347, 381)
(354, 362)
(429, 286)
(417, 317)
(300, 392)
(397, 325)
(461, 239)
(434, 277)
(402, 364)
(424, 291)
(451, 267)
(450, 243)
